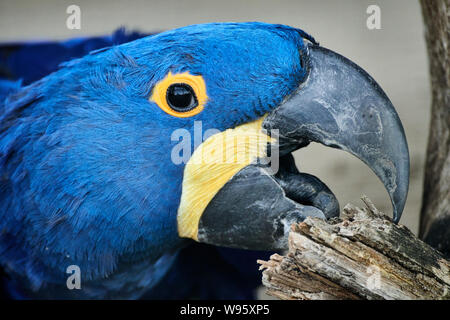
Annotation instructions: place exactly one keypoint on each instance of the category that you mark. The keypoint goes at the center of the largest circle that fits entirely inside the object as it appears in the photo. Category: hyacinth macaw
(87, 168)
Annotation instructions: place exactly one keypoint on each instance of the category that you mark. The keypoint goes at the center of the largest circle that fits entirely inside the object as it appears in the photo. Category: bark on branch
(435, 215)
(362, 255)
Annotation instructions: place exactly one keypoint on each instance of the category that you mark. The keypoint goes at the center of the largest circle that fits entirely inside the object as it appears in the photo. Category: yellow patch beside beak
(212, 165)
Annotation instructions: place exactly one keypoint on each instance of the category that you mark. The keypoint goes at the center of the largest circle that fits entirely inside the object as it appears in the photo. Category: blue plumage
(33, 60)
(87, 177)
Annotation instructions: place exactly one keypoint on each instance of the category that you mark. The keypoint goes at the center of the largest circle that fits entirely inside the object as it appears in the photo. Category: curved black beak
(338, 105)
(341, 106)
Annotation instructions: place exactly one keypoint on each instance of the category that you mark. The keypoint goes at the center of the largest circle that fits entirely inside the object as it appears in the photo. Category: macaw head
(168, 137)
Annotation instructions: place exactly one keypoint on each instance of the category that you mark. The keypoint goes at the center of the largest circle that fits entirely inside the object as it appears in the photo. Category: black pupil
(181, 97)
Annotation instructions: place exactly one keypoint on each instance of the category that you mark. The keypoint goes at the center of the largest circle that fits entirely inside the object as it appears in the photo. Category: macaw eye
(181, 97)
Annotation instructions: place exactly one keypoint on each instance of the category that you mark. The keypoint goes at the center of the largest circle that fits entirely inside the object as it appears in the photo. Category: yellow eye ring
(196, 83)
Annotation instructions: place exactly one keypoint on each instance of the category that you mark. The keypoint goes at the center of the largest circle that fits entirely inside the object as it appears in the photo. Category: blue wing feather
(30, 61)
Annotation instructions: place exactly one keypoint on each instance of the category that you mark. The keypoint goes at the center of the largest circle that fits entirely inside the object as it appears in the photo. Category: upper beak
(341, 106)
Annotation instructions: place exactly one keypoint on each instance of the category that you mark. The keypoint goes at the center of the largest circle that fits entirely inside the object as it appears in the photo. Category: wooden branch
(362, 255)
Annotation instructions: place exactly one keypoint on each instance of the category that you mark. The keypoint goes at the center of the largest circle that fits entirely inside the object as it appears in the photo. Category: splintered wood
(361, 255)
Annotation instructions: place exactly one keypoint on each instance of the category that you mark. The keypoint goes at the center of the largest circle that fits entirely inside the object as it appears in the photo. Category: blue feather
(30, 61)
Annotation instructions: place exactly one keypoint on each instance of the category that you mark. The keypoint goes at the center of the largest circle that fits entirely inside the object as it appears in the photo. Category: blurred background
(394, 55)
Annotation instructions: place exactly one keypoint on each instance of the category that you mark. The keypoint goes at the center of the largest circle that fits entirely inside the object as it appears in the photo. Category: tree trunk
(435, 215)
(362, 255)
